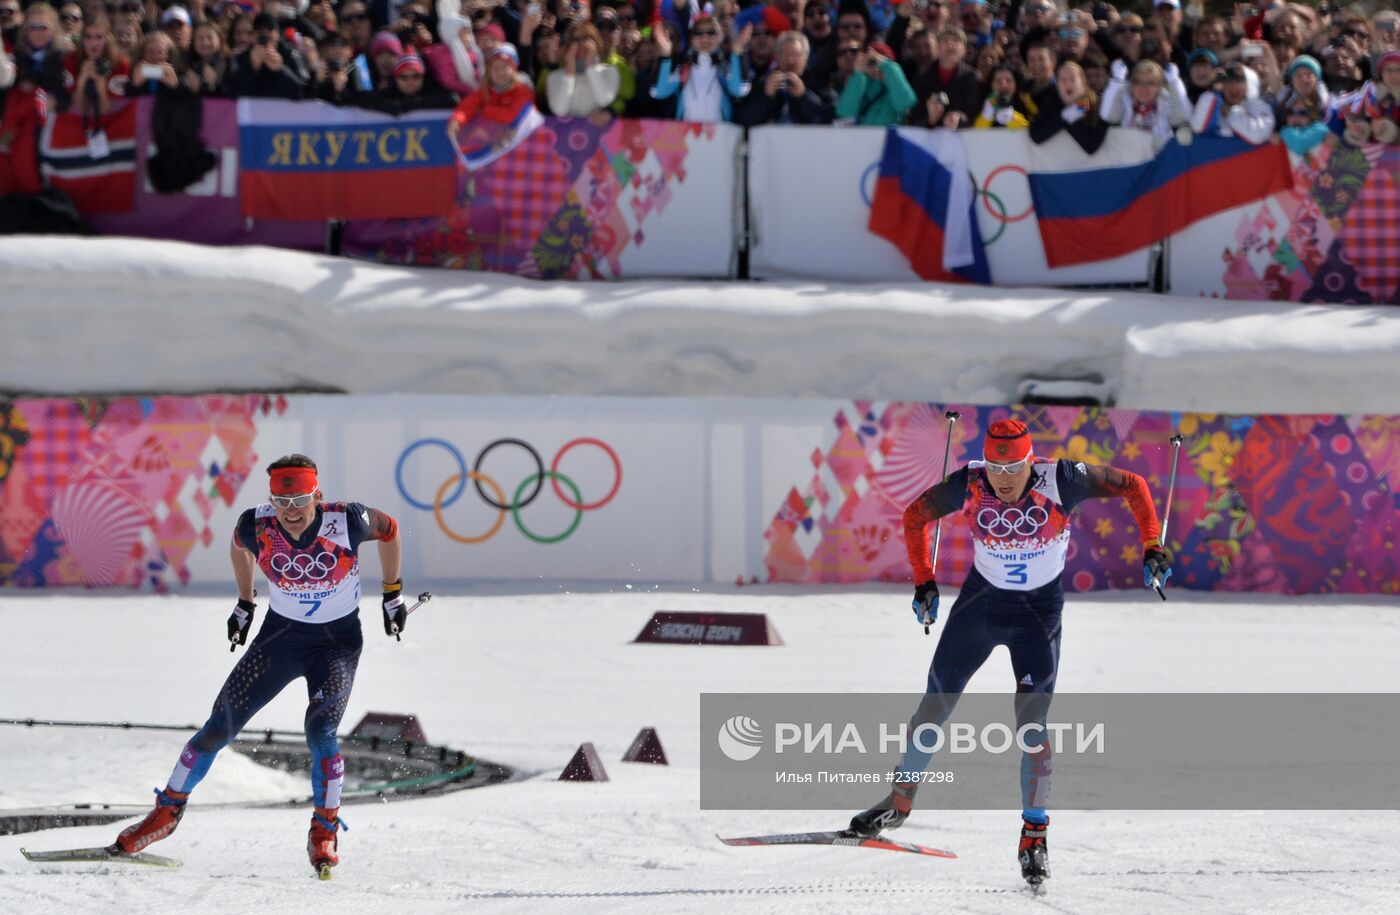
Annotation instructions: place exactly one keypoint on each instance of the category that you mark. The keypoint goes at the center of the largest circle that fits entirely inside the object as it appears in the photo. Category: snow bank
(123, 315)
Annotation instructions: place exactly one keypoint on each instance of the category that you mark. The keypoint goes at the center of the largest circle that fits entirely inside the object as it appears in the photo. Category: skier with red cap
(1017, 508)
(307, 549)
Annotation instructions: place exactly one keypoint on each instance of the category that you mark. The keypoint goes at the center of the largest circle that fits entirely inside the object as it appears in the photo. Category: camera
(264, 40)
(1066, 19)
(101, 67)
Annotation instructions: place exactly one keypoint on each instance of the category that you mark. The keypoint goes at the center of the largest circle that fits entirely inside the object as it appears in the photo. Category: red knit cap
(1008, 441)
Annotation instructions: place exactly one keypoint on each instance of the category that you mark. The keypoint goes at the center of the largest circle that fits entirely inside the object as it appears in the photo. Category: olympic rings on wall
(491, 492)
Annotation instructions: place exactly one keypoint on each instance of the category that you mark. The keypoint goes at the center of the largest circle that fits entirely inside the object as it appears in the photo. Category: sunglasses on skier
(1007, 469)
(300, 501)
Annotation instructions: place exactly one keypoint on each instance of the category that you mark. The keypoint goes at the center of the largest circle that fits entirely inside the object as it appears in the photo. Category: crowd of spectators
(1272, 69)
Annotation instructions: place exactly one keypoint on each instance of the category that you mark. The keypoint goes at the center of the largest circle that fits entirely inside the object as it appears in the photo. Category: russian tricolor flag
(923, 205)
(1098, 213)
(311, 160)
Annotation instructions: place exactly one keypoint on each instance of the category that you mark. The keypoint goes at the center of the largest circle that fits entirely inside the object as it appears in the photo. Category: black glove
(395, 613)
(1156, 567)
(926, 602)
(239, 622)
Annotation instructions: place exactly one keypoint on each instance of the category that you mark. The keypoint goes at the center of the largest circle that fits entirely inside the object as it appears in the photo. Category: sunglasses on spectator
(705, 33)
(1071, 34)
(1125, 29)
(355, 17)
(71, 17)
(606, 25)
(479, 15)
(1007, 469)
(1356, 33)
(300, 501)
(844, 51)
(415, 77)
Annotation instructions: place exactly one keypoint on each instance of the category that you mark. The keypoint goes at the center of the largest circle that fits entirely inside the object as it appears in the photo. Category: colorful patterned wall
(117, 492)
(1271, 504)
(1335, 237)
(568, 201)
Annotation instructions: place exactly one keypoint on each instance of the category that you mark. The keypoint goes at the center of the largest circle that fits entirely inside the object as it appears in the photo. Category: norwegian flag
(101, 178)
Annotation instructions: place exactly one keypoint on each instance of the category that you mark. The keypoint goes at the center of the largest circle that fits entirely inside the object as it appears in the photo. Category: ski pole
(952, 417)
(1157, 583)
(422, 599)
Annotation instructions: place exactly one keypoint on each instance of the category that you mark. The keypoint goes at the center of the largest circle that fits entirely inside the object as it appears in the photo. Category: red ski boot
(159, 823)
(321, 840)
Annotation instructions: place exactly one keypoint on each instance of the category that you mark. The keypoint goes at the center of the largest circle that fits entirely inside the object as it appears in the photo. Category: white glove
(1072, 114)
(1118, 70)
(1004, 115)
(1171, 72)
(1184, 136)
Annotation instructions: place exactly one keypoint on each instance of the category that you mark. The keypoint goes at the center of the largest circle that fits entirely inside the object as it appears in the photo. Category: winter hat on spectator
(1303, 62)
(1386, 59)
(1174, 4)
(508, 52)
(493, 28)
(408, 63)
(1008, 441)
(386, 42)
(1205, 54)
(176, 14)
(776, 21)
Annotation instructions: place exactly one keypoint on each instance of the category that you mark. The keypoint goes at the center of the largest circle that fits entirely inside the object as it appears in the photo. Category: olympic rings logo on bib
(303, 566)
(1007, 522)
(489, 491)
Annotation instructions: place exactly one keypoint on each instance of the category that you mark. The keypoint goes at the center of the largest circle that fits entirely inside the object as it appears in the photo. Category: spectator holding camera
(708, 83)
(271, 68)
(339, 80)
(156, 69)
(955, 78)
(584, 86)
(1232, 111)
(876, 94)
(781, 96)
(999, 108)
(1151, 99)
(1073, 108)
(96, 71)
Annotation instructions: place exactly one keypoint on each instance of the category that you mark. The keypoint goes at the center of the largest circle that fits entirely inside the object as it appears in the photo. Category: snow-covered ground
(524, 676)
